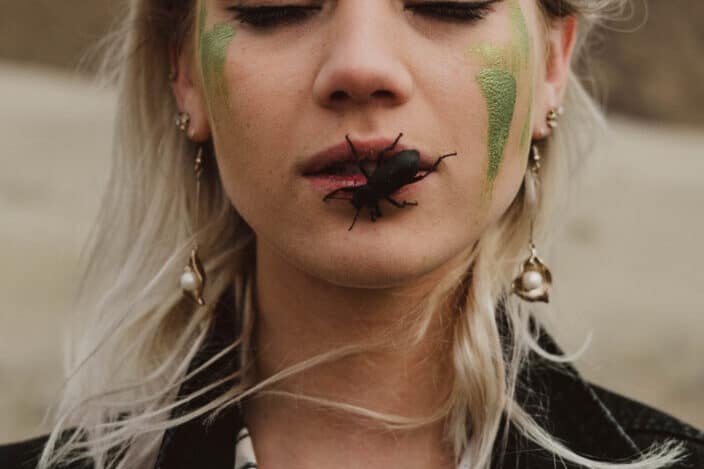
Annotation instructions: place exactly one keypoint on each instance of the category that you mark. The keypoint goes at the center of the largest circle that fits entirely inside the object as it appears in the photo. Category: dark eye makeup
(269, 16)
(458, 12)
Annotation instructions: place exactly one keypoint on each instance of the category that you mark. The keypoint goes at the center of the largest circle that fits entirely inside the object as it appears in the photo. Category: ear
(186, 86)
(560, 38)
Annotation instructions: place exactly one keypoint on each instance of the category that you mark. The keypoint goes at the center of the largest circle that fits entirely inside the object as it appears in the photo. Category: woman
(383, 330)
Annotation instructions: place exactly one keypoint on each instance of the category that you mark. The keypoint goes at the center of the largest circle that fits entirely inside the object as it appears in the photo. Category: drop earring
(193, 277)
(534, 280)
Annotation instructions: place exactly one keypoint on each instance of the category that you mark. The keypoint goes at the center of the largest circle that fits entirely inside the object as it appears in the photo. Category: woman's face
(277, 82)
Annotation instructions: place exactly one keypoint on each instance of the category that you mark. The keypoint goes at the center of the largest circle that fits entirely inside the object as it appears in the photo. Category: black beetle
(390, 175)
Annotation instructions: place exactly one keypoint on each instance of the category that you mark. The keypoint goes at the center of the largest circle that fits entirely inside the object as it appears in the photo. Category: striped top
(245, 459)
(244, 451)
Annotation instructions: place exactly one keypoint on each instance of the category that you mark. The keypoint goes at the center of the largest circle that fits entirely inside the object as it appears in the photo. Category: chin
(379, 262)
(371, 275)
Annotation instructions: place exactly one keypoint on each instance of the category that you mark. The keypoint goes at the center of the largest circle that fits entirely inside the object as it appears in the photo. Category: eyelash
(271, 16)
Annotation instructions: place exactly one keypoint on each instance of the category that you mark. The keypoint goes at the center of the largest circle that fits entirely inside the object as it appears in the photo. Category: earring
(182, 120)
(193, 277)
(554, 116)
(534, 280)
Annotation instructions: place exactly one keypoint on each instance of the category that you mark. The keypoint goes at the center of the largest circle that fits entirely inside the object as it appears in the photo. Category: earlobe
(188, 92)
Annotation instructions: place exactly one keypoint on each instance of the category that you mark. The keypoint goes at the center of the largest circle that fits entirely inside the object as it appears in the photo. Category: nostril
(341, 95)
(338, 96)
(382, 94)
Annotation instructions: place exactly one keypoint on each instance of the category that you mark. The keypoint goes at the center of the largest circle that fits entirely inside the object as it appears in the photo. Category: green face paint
(499, 89)
(522, 37)
(499, 85)
(513, 56)
(525, 133)
(493, 56)
(213, 51)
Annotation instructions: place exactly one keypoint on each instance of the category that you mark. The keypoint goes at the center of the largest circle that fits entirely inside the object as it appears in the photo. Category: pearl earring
(534, 280)
(193, 277)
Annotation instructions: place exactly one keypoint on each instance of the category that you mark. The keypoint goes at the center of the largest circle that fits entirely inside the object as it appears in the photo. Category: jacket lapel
(554, 395)
(568, 408)
(198, 443)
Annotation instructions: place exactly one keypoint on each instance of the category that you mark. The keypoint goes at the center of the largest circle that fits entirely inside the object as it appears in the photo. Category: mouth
(346, 168)
(346, 158)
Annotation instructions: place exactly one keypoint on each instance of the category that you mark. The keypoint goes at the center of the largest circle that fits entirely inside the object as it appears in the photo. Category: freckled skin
(296, 89)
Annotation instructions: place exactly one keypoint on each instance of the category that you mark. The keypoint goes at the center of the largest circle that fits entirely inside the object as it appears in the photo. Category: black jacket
(587, 418)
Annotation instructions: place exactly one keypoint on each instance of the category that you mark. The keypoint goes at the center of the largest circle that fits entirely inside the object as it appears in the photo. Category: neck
(300, 316)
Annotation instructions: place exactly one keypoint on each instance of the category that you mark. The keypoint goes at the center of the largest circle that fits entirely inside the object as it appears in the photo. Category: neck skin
(299, 316)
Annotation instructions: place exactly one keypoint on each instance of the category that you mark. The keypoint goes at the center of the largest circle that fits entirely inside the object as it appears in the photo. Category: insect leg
(437, 162)
(354, 150)
(433, 168)
(399, 204)
(375, 212)
(391, 147)
(356, 157)
(354, 219)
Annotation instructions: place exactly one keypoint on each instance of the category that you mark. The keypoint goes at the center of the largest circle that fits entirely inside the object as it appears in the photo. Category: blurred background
(628, 265)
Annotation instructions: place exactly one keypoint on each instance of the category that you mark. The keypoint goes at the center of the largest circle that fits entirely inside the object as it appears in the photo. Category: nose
(362, 62)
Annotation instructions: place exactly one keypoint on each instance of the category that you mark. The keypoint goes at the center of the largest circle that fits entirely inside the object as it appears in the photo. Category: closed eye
(461, 12)
(270, 16)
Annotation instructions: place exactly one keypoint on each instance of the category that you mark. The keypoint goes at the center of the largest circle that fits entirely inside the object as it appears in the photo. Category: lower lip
(327, 183)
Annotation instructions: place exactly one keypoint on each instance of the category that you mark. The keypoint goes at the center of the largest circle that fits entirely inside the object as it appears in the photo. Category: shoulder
(598, 422)
(25, 455)
(593, 421)
(646, 425)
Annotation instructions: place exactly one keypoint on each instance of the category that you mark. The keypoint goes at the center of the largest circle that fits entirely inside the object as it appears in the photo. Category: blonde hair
(136, 335)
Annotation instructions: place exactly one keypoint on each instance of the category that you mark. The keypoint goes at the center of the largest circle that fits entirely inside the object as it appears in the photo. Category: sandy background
(627, 266)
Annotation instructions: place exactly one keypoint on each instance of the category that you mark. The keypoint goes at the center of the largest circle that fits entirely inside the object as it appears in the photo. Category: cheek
(508, 103)
(505, 77)
(213, 52)
(213, 45)
(253, 139)
(499, 89)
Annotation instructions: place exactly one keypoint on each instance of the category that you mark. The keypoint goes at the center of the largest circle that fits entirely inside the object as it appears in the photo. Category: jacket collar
(554, 395)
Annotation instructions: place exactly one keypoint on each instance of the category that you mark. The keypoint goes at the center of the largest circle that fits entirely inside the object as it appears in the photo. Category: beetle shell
(396, 170)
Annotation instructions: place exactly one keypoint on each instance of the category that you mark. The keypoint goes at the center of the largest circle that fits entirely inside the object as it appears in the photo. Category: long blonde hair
(135, 334)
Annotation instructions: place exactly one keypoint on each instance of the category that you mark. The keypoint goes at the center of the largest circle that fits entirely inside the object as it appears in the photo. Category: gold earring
(554, 116)
(193, 277)
(534, 280)
(182, 120)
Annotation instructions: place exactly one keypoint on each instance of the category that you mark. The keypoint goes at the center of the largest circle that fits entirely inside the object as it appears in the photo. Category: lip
(367, 150)
(326, 183)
